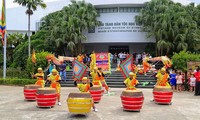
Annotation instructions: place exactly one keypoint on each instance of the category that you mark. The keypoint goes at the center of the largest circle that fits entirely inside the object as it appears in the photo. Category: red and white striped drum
(132, 100)
(30, 91)
(46, 97)
(96, 92)
(162, 94)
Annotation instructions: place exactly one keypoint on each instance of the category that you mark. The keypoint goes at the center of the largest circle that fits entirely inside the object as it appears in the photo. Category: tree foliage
(174, 26)
(40, 62)
(64, 28)
(180, 59)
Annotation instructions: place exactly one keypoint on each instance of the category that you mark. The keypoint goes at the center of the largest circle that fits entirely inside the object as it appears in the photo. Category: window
(107, 10)
(129, 9)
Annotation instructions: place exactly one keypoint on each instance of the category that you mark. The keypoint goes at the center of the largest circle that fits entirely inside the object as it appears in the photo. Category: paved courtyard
(13, 107)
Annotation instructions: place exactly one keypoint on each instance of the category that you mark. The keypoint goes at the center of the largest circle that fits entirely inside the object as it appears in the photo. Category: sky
(10, 4)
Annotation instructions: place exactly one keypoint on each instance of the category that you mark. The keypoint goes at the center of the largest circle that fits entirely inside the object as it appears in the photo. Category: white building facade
(118, 31)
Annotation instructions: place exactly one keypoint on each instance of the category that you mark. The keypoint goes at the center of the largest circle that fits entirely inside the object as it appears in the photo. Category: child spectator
(173, 80)
(179, 82)
(192, 82)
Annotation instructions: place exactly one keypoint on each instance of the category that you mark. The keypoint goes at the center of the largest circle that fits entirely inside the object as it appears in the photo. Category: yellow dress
(40, 79)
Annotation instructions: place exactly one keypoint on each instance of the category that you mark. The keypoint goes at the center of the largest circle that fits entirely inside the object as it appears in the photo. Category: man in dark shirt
(62, 68)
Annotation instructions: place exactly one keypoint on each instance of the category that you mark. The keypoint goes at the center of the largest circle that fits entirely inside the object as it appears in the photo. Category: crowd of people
(188, 82)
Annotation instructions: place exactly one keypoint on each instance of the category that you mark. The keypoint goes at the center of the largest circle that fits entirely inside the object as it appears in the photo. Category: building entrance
(118, 49)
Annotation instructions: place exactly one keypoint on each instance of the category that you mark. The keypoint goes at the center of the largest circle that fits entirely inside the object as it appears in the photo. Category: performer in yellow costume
(84, 87)
(96, 79)
(131, 82)
(162, 78)
(40, 77)
(54, 78)
(93, 61)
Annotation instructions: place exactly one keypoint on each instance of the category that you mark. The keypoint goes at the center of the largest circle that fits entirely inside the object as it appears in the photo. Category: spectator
(139, 57)
(111, 58)
(85, 57)
(179, 82)
(192, 82)
(173, 80)
(120, 55)
(143, 55)
(62, 68)
(115, 58)
(51, 67)
(197, 85)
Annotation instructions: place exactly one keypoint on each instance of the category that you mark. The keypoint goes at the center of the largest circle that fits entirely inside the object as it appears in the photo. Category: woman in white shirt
(192, 83)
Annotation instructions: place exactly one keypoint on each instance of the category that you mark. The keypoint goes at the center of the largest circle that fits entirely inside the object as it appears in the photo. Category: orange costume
(40, 78)
(102, 79)
(131, 82)
(146, 66)
(55, 78)
(80, 58)
(162, 78)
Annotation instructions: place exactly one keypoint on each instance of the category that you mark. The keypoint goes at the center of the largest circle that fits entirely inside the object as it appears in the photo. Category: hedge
(17, 81)
(180, 59)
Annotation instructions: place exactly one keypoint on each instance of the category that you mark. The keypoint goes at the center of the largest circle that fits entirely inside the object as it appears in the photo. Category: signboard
(117, 28)
(103, 61)
(192, 65)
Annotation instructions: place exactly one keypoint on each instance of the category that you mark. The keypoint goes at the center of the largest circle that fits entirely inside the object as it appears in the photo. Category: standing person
(131, 81)
(179, 82)
(139, 58)
(124, 56)
(54, 78)
(192, 82)
(120, 55)
(40, 77)
(143, 55)
(84, 87)
(85, 57)
(115, 58)
(111, 58)
(173, 80)
(62, 68)
(197, 86)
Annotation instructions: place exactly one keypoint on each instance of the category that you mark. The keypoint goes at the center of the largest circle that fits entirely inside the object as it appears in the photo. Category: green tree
(65, 27)
(31, 6)
(172, 24)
